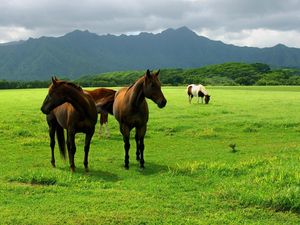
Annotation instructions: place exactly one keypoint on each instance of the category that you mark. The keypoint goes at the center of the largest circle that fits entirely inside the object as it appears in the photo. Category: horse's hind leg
(100, 129)
(71, 148)
(190, 98)
(137, 141)
(107, 130)
(139, 137)
(52, 123)
(126, 133)
(52, 143)
(104, 121)
(87, 143)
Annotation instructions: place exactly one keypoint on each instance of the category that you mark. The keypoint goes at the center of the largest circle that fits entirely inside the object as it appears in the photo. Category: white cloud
(242, 22)
(13, 34)
(254, 37)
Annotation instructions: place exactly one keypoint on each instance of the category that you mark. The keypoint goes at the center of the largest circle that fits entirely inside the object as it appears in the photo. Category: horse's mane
(74, 85)
(134, 83)
(77, 87)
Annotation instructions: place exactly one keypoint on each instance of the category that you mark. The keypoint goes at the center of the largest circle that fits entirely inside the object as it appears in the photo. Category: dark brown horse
(131, 110)
(68, 107)
(100, 95)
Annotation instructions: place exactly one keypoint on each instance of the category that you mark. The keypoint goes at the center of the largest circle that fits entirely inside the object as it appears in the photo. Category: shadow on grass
(95, 174)
(152, 168)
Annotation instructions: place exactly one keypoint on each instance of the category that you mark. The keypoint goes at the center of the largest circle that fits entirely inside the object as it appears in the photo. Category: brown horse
(99, 95)
(68, 107)
(131, 110)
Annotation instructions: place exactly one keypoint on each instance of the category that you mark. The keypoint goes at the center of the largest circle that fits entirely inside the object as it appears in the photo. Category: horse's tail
(105, 105)
(61, 141)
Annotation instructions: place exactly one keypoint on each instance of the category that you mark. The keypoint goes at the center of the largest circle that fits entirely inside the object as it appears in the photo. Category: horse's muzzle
(162, 103)
(44, 110)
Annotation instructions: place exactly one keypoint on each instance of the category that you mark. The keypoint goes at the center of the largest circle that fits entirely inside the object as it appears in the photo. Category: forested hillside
(220, 74)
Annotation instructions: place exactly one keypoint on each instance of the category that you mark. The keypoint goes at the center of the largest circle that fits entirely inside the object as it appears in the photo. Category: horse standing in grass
(99, 95)
(131, 111)
(68, 107)
(198, 91)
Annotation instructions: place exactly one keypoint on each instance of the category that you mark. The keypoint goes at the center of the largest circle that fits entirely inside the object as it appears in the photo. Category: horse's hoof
(126, 167)
(53, 164)
(86, 170)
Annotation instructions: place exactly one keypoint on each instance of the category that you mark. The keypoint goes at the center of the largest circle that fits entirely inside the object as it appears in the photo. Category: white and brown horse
(198, 91)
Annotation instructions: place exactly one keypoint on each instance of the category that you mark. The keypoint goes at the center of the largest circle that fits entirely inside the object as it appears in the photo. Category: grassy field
(192, 175)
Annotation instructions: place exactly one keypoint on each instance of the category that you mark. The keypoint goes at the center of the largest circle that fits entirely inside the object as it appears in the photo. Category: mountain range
(84, 53)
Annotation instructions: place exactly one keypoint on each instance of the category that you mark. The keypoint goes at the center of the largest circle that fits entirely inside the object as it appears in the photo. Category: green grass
(192, 175)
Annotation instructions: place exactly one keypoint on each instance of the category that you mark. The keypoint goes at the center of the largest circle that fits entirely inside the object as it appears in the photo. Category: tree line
(220, 74)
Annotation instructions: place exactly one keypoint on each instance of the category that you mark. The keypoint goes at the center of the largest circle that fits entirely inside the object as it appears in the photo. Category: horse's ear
(148, 74)
(157, 73)
(54, 79)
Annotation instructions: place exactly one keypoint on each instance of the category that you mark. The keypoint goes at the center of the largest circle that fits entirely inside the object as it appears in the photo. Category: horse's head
(57, 94)
(152, 89)
(206, 99)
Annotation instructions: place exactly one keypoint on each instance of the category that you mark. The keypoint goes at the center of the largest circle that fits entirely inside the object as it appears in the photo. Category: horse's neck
(137, 94)
(81, 103)
(204, 91)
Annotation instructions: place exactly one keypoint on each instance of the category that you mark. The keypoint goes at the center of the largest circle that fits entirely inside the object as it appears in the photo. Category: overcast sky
(258, 23)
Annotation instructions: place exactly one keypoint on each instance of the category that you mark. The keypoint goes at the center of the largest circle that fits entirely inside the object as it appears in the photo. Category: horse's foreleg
(87, 143)
(71, 148)
(126, 133)
(139, 137)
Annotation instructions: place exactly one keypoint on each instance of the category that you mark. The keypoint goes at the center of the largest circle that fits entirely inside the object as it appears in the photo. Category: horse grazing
(131, 111)
(99, 95)
(68, 107)
(198, 91)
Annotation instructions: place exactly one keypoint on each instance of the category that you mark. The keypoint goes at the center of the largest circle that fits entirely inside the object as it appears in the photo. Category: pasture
(191, 175)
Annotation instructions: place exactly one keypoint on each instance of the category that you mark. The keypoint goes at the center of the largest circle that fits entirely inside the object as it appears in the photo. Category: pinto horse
(198, 91)
(100, 95)
(68, 107)
(131, 111)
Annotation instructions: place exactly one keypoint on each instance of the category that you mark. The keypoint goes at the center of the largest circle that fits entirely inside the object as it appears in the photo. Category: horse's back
(100, 93)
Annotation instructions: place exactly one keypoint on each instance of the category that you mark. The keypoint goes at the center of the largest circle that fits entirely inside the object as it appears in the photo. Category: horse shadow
(152, 168)
(96, 174)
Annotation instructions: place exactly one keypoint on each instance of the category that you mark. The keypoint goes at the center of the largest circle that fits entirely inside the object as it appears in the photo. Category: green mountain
(83, 53)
